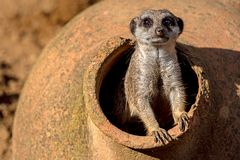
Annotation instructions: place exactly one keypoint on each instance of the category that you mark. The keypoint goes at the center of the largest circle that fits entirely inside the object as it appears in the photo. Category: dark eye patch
(168, 21)
(147, 22)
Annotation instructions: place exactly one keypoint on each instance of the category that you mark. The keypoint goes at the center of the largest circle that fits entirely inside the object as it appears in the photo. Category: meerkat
(153, 84)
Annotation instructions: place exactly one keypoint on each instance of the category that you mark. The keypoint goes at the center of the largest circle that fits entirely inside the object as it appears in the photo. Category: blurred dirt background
(26, 26)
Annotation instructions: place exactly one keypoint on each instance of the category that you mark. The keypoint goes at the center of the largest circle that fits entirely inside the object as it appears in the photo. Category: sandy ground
(26, 26)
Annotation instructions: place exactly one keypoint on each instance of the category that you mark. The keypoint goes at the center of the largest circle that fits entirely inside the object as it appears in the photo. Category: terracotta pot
(63, 112)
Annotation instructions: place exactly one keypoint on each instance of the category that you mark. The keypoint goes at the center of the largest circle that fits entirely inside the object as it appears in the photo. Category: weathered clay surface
(52, 121)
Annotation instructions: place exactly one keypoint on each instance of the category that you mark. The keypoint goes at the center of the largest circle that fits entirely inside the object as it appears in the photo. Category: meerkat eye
(168, 21)
(147, 22)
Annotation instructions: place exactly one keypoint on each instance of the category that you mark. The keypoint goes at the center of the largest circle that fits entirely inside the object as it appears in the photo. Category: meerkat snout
(159, 31)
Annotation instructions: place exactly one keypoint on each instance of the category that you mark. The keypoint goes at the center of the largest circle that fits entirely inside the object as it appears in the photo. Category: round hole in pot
(112, 98)
(102, 78)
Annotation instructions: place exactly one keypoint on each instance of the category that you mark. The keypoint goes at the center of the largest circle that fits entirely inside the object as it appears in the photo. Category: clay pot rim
(93, 77)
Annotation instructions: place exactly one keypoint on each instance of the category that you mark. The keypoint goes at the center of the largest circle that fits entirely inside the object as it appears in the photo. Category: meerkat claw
(183, 122)
(162, 136)
(157, 137)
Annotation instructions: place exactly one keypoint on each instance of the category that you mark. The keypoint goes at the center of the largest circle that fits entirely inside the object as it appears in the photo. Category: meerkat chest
(161, 62)
(166, 68)
(170, 71)
(168, 63)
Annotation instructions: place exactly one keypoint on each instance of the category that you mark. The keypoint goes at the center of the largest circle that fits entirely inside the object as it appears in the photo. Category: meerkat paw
(183, 122)
(161, 136)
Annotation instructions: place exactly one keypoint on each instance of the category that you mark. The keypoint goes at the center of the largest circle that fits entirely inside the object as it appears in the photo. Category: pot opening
(112, 98)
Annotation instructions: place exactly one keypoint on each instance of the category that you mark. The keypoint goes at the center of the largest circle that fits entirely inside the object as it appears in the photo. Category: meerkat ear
(133, 25)
(180, 24)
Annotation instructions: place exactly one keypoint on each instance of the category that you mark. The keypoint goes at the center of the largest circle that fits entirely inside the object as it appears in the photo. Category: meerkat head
(156, 27)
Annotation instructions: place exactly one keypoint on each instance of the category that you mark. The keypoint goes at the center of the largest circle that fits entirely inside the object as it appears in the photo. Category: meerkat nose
(159, 31)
